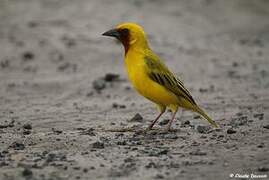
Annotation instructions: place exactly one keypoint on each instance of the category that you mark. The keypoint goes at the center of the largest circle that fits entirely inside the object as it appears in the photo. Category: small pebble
(263, 169)
(164, 122)
(116, 105)
(26, 132)
(98, 145)
(27, 56)
(203, 129)
(109, 77)
(187, 122)
(27, 172)
(231, 131)
(99, 84)
(259, 116)
(17, 146)
(137, 118)
(27, 126)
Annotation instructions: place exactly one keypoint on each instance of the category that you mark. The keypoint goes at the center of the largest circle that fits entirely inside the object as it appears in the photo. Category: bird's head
(130, 35)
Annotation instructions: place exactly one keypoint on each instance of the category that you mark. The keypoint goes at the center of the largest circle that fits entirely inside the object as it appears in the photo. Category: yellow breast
(135, 65)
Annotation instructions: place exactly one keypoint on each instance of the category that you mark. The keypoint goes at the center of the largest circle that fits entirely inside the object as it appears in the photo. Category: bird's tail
(201, 112)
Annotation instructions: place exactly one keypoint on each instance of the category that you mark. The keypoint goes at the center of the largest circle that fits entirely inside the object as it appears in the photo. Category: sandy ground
(58, 97)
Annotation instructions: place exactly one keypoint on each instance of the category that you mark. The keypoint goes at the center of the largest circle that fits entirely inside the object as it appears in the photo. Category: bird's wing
(160, 74)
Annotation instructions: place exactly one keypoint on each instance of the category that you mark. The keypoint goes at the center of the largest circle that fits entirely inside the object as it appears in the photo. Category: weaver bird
(150, 76)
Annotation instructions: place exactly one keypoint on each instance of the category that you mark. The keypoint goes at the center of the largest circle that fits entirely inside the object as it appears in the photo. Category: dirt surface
(64, 90)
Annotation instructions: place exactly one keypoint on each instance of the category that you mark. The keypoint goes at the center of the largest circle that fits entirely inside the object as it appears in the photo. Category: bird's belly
(153, 91)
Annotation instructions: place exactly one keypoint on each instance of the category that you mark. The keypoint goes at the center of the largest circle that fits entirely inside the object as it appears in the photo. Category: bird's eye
(124, 32)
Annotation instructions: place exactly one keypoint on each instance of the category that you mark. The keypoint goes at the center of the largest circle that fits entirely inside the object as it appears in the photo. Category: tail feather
(201, 112)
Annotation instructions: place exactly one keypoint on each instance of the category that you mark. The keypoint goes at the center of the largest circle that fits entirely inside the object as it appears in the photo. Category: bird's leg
(152, 124)
(172, 119)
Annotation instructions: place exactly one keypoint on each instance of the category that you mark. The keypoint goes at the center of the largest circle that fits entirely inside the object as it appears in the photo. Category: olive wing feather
(159, 73)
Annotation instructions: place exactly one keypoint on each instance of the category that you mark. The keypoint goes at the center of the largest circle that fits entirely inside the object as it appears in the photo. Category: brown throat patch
(125, 39)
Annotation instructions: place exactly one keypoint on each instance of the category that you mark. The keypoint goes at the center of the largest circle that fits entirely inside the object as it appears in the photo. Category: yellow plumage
(150, 76)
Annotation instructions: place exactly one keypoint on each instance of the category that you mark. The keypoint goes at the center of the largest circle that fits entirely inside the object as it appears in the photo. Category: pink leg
(171, 120)
(152, 124)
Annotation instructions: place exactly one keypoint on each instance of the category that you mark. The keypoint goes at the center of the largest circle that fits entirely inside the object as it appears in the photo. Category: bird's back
(154, 80)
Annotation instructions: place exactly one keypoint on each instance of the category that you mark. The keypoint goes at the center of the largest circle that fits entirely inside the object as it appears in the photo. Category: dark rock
(10, 124)
(3, 163)
(99, 84)
(151, 151)
(260, 145)
(116, 105)
(50, 157)
(159, 176)
(57, 131)
(231, 131)
(27, 132)
(203, 90)
(235, 64)
(5, 152)
(259, 116)
(186, 122)
(128, 160)
(17, 146)
(27, 126)
(151, 165)
(127, 88)
(76, 168)
(27, 172)
(5, 63)
(110, 77)
(85, 170)
(165, 151)
(27, 56)
(121, 143)
(266, 126)
(137, 118)
(263, 169)
(98, 145)
(164, 122)
(203, 129)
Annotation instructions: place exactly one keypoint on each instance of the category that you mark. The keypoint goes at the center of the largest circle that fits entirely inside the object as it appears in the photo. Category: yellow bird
(150, 76)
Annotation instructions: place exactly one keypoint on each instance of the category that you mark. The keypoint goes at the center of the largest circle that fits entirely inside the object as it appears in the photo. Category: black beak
(112, 33)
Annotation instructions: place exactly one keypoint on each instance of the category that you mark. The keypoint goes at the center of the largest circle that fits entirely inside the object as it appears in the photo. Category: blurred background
(61, 77)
